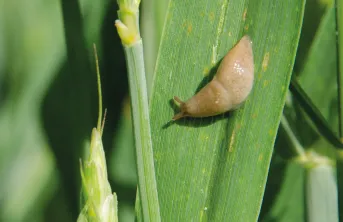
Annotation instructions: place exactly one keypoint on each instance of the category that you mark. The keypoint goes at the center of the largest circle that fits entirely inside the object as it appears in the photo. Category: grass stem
(141, 122)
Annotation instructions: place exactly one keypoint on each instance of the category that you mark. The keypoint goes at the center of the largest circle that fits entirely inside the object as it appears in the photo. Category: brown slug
(228, 89)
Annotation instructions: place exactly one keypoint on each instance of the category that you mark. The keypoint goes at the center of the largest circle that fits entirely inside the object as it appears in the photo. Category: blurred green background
(48, 106)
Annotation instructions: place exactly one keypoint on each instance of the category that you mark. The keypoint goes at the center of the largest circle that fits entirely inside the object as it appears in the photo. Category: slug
(229, 87)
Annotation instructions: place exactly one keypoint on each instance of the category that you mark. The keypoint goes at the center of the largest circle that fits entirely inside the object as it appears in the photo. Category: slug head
(183, 111)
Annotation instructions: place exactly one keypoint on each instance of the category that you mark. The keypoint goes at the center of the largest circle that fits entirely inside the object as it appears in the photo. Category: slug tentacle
(183, 111)
(228, 89)
(177, 99)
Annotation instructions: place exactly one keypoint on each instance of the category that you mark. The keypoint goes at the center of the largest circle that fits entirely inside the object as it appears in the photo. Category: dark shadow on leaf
(208, 77)
(197, 122)
(194, 122)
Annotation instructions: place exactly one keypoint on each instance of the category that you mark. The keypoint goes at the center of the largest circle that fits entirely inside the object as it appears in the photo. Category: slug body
(228, 89)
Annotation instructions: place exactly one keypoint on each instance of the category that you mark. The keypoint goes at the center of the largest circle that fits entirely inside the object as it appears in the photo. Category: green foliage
(318, 79)
(210, 169)
(215, 168)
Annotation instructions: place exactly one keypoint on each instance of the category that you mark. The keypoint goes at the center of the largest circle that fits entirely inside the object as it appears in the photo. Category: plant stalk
(339, 28)
(312, 111)
(141, 122)
(321, 191)
(299, 150)
(128, 30)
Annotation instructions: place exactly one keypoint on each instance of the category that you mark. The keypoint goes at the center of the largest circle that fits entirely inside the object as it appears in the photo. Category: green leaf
(215, 168)
(316, 98)
(321, 74)
(289, 203)
(320, 103)
(122, 160)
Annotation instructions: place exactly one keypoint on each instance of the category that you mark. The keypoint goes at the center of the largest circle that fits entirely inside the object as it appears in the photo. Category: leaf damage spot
(259, 76)
(214, 54)
(245, 14)
(206, 71)
(271, 132)
(232, 141)
(265, 61)
(233, 136)
(265, 83)
(189, 28)
(211, 16)
(204, 137)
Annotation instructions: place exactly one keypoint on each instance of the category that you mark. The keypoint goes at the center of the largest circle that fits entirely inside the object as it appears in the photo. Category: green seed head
(127, 25)
(129, 5)
(98, 202)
